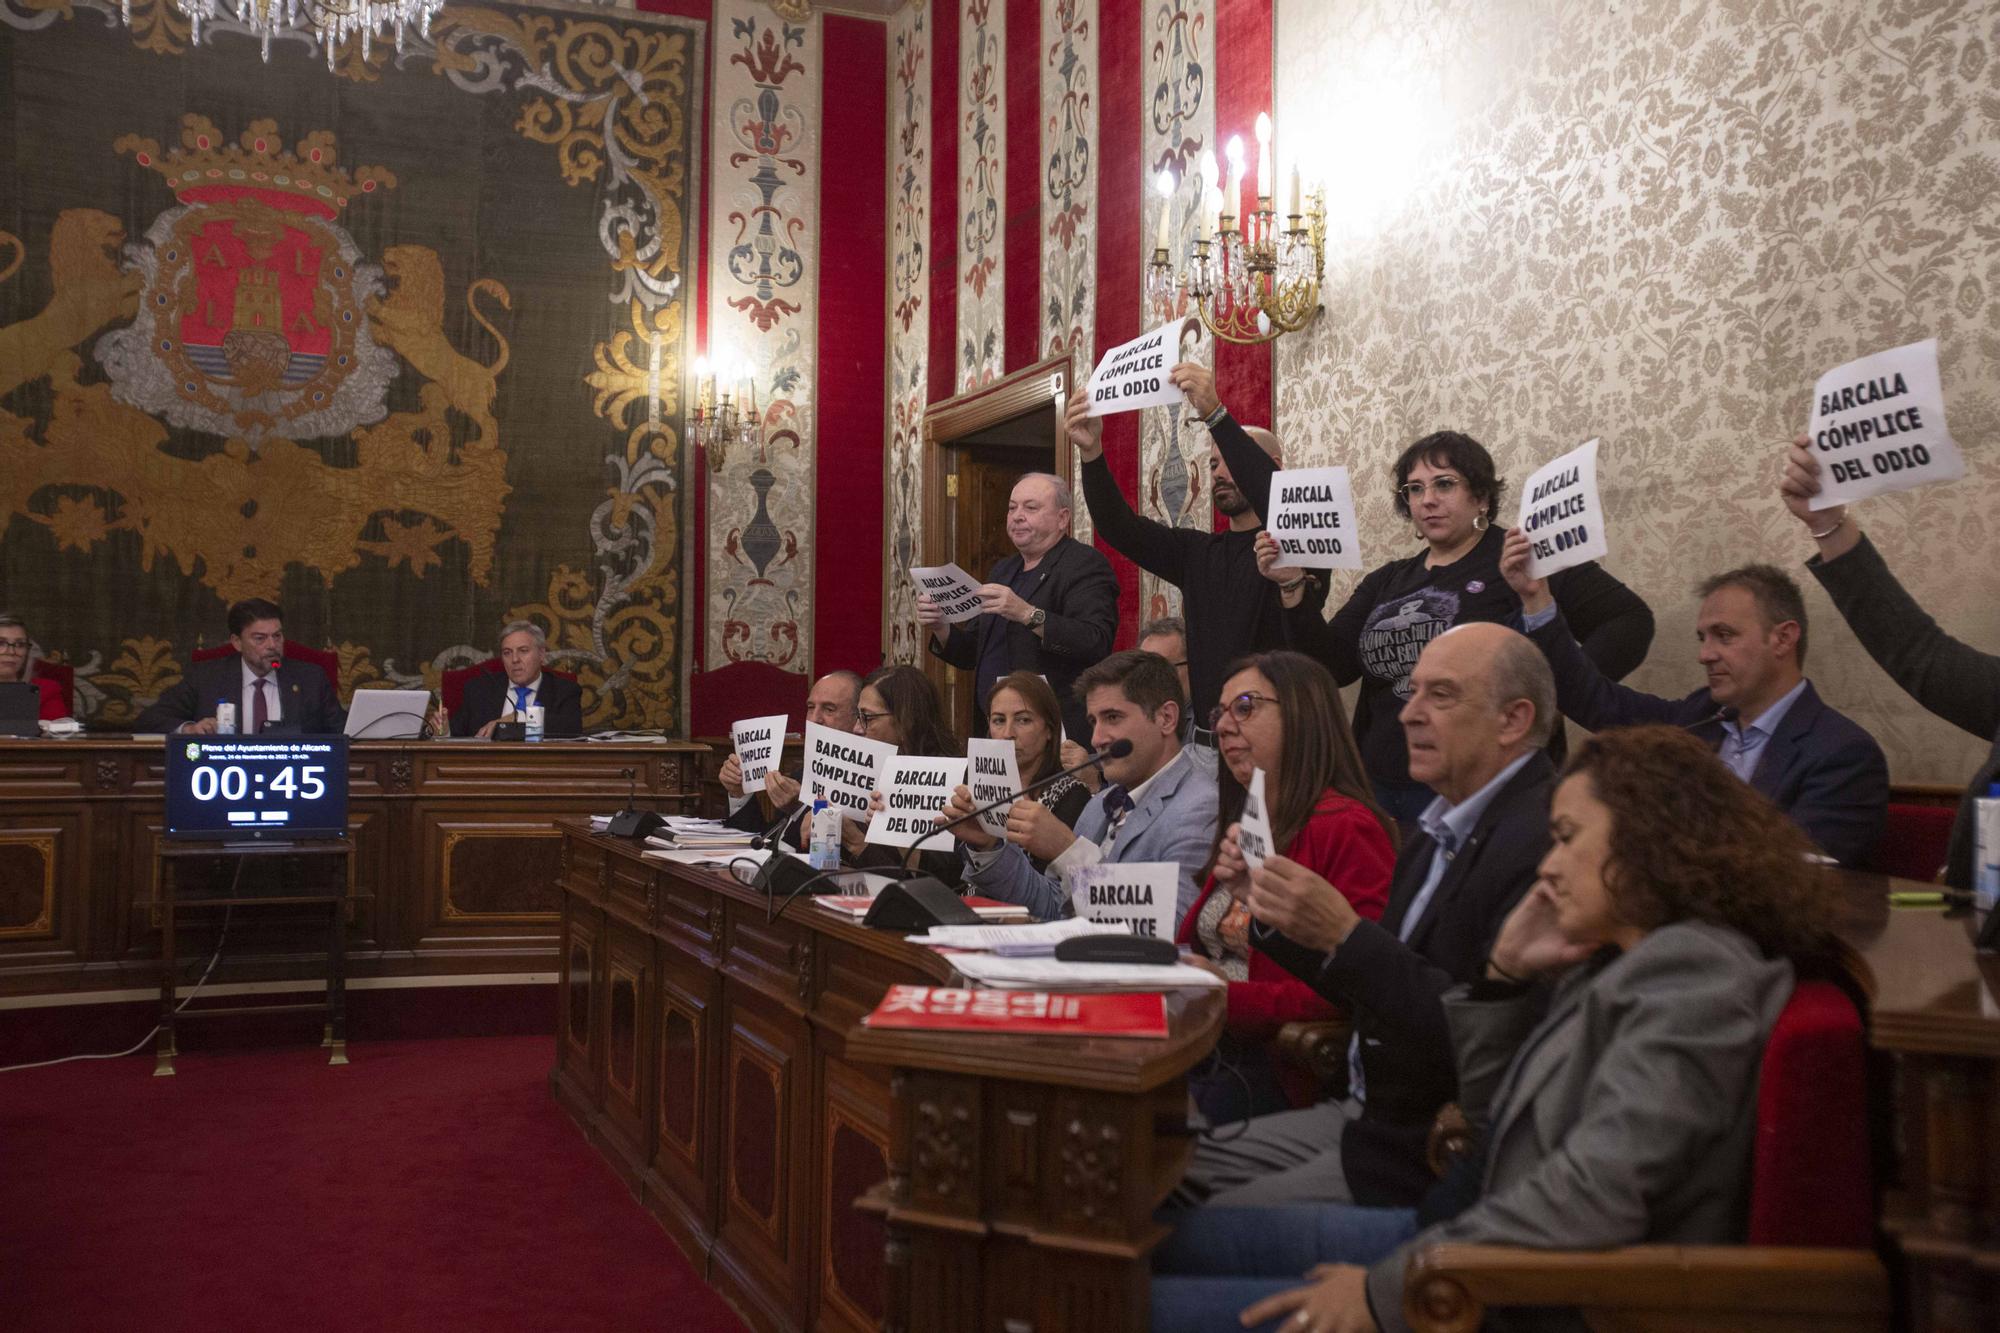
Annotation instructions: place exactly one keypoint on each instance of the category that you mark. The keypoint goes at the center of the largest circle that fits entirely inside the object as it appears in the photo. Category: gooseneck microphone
(1726, 713)
(1118, 749)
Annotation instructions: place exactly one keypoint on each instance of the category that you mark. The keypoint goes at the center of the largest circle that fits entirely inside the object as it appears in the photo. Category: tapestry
(1179, 107)
(762, 318)
(910, 131)
(1069, 201)
(982, 192)
(1556, 220)
(398, 344)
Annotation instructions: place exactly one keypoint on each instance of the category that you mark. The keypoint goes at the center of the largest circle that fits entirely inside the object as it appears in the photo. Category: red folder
(939, 1008)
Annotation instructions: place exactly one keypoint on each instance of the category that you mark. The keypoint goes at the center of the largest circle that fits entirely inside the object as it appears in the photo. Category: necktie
(1117, 805)
(260, 707)
(520, 701)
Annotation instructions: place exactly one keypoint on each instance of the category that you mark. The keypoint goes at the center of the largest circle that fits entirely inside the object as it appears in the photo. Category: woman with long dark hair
(898, 704)
(1447, 485)
(1280, 713)
(1672, 910)
(1023, 709)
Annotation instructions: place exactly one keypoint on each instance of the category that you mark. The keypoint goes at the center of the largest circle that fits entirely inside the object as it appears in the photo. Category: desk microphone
(1118, 749)
(772, 840)
(632, 822)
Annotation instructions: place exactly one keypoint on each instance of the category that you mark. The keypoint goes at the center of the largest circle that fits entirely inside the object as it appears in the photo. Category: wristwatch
(1037, 618)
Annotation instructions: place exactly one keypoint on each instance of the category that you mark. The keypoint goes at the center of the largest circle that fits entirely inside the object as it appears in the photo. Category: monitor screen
(256, 786)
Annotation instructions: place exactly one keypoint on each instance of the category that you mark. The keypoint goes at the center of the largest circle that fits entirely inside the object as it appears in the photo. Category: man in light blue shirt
(1763, 716)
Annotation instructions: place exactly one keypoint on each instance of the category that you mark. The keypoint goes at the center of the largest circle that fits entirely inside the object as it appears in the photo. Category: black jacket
(1076, 587)
(1954, 680)
(485, 699)
(1821, 769)
(1231, 610)
(306, 699)
(1396, 990)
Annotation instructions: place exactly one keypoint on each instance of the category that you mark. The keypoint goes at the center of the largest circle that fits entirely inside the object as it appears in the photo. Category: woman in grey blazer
(1608, 1060)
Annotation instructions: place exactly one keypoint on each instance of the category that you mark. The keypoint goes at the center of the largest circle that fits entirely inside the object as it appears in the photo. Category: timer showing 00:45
(232, 783)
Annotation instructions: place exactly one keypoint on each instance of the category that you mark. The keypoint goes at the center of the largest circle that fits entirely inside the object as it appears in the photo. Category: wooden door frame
(1046, 383)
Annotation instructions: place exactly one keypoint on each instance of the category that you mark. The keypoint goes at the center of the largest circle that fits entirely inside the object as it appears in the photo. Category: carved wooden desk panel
(455, 857)
(1937, 1014)
(715, 1059)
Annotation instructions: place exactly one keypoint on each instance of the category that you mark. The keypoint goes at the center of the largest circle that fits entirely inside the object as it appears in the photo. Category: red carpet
(429, 1185)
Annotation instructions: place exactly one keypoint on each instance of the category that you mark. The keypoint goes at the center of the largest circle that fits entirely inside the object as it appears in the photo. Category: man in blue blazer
(1050, 608)
(1763, 716)
(1158, 802)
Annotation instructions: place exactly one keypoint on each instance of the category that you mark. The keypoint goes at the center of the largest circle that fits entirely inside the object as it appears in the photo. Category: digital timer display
(256, 787)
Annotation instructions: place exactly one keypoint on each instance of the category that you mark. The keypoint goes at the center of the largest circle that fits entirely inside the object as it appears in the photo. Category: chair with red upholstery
(63, 675)
(324, 658)
(1808, 1259)
(1914, 841)
(451, 685)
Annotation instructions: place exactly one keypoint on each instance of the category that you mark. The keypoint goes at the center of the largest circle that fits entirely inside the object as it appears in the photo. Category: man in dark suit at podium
(492, 698)
(267, 690)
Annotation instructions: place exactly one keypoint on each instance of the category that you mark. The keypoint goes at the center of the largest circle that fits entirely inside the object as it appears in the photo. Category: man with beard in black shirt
(1230, 609)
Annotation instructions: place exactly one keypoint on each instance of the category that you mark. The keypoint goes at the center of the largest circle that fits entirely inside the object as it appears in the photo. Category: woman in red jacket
(1282, 713)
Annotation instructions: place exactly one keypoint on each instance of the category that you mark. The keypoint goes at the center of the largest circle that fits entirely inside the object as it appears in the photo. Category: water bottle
(531, 721)
(225, 718)
(1986, 853)
(825, 844)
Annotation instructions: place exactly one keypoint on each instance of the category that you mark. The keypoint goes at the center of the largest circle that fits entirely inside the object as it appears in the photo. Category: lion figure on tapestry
(410, 321)
(90, 292)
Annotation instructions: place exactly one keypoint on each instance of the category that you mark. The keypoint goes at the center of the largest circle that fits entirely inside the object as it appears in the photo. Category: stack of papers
(705, 856)
(684, 832)
(1038, 940)
(1048, 974)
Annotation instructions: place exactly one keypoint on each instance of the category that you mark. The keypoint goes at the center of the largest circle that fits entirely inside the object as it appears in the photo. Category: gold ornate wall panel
(1658, 223)
(910, 130)
(1179, 111)
(763, 315)
(399, 344)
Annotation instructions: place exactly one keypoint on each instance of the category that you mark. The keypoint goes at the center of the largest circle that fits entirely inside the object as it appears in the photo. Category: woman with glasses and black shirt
(1280, 712)
(16, 664)
(1447, 485)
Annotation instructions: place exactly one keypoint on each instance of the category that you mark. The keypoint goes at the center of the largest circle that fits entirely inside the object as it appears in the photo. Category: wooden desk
(453, 871)
(1937, 1017)
(715, 1058)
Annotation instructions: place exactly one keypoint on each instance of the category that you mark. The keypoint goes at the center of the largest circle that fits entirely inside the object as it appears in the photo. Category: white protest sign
(955, 591)
(1253, 831)
(758, 742)
(914, 788)
(841, 767)
(994, 774)
(1562, 514)
(1139, 895)
(1878, 426)
(1134, 374)
(1312, 518)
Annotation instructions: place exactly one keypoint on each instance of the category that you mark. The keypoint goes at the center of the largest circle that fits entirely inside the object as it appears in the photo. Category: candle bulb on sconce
(1163, 237)
(1266, 179)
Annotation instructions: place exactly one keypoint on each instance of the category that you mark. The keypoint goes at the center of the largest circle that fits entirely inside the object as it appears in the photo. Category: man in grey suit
(266, 690)
(1158, 802)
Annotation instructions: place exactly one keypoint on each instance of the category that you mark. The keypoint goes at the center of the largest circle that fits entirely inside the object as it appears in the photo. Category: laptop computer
(387, 715)
(20, 709)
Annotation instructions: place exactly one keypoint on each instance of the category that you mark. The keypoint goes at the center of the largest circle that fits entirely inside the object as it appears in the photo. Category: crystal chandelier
(331, 23)
(1249, 280)
(718, 422)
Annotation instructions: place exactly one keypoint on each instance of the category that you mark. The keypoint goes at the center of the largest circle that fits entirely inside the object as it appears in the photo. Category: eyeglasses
(863, 719)
(13, 645)
(1442, 487)
(1243, 707)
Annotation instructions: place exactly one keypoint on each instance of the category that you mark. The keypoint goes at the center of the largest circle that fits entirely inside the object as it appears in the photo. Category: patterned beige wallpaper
(1657, 221)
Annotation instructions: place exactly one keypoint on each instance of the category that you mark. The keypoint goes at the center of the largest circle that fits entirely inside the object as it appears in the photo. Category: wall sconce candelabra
(1248, 279)
(722, 420)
